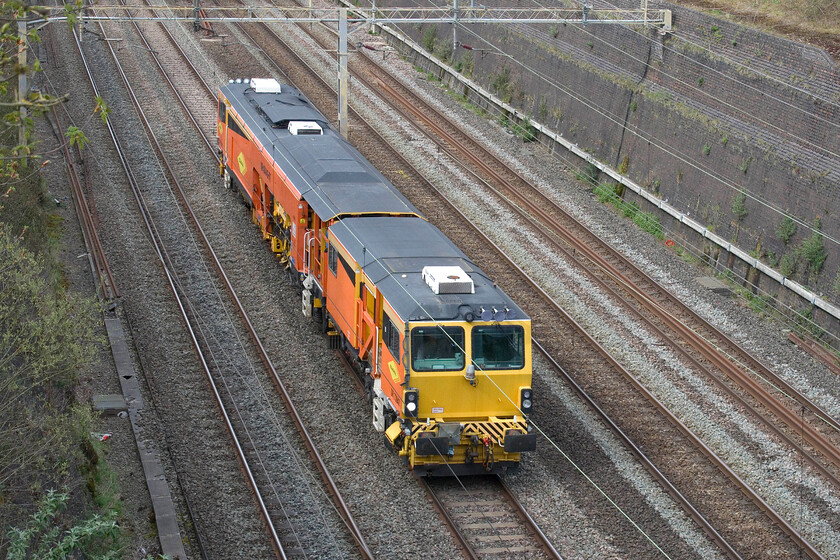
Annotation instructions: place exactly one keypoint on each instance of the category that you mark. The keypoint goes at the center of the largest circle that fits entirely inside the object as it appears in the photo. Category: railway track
(625, 282)
(248, 417)
(487, 519)
(794, 535)
(329, 113)
(305, 74)
(726, 363)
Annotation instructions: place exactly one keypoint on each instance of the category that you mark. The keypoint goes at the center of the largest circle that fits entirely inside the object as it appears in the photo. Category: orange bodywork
(270, 194)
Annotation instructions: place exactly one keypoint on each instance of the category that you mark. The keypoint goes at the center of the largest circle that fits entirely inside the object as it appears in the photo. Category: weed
(630, 209)
(443, 50)
(724, 139)
(526, 131)
(633, 105)
(605, 192)
(625, 163)
(543, 110)
(590, 44)
(501, 84)
(554, 31)
(588, 175)
(648, 223)
(836, 286)
(759, 304)
(706, 149)
(700, 81)
(745, 165)
(787, 266)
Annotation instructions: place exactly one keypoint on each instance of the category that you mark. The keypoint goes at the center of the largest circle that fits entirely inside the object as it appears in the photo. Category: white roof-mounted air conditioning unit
(266, 85)
(302, 128)
(448, 280)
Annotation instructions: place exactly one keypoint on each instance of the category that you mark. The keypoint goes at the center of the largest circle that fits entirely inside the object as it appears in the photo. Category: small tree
(739, 206)
(786, 229)
(739, 209)
(812, 249)
(15, 156)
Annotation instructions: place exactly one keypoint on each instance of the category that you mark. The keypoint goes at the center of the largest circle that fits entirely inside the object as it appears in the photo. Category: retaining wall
(695, 120)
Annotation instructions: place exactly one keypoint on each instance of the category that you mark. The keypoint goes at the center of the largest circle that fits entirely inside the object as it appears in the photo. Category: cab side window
(391, 336)
(333, 260)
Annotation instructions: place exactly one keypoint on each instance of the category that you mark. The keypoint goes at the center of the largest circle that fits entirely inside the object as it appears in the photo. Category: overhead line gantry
(356, 16)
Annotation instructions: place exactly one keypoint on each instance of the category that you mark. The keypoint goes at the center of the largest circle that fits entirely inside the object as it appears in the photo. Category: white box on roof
(448, 280)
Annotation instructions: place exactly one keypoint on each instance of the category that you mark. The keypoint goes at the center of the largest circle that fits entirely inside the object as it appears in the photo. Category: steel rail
(96, 254)
(689, 508)
(175, 292)
(466, 547)
(535, 207)
(715, 459)
(505, 494)
(529, 521)
(537, 203)
(338, 499)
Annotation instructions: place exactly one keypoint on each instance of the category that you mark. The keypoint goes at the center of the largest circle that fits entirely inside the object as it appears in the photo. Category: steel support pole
(454, 28)
(342, 72)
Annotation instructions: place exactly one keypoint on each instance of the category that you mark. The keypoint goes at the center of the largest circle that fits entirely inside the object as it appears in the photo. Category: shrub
(787, 266)
(786, 229)
(813, 250)
(739, 208)
(429, 39)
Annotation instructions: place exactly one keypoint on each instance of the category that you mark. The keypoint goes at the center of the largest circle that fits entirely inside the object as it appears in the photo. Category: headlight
(411, 400)
(525, 400)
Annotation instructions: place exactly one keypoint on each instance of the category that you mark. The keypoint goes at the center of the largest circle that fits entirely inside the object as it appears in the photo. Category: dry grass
(816, 21)
(819, 15)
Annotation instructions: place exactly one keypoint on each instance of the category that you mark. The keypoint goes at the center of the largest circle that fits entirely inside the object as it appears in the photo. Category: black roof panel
(331, 175)
(388, 251)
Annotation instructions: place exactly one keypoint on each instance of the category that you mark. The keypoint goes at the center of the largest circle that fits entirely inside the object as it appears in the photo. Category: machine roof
(331, 175)
(393, 251)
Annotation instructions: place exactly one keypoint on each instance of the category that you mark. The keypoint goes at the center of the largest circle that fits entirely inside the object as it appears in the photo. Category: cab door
(366, 308)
